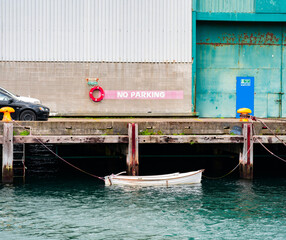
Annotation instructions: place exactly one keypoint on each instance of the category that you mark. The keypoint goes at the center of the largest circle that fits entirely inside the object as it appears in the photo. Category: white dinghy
(155, 180)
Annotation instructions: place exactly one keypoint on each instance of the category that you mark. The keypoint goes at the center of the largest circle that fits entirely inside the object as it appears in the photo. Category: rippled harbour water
(53, 208)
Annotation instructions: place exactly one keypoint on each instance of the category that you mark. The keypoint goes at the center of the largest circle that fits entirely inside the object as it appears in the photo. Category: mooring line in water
(215, 178)
(81, 170)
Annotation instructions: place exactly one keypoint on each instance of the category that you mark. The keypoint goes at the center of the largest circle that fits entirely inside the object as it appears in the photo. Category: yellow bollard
(244, 114)
(7, 111)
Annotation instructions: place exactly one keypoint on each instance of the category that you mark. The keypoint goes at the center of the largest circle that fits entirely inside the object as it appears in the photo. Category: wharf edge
(155, 131)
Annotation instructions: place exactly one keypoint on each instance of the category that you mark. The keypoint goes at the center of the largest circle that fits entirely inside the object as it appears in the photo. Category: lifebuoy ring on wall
(101, 96)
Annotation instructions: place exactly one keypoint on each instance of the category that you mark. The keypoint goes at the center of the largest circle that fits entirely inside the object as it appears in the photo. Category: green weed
(25, 133)
(150, 132)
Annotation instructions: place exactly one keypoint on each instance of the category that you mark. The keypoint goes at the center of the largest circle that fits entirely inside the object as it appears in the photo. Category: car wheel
(28, 115)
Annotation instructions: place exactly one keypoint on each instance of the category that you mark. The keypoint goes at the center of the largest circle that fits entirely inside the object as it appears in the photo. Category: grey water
(83, 208)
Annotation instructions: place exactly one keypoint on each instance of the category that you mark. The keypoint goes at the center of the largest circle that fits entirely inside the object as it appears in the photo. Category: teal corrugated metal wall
(243, 6)
(226, 50)
(270, 6)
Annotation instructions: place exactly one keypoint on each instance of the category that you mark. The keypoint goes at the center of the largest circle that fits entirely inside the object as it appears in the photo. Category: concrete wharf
(148, 130)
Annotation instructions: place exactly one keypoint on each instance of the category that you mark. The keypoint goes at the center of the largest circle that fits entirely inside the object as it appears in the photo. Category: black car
(24, 111)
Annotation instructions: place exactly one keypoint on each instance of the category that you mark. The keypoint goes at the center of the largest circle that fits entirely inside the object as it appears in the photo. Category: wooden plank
(7, 159)
(143, 139)
(135, 143)
(71, 139)
(269, 139)
(132, 161)
(129, 151)
(163, 139)
(246, 156)
(160, 139)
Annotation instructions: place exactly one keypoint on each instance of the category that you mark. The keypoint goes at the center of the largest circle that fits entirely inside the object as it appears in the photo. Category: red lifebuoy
(101, 96)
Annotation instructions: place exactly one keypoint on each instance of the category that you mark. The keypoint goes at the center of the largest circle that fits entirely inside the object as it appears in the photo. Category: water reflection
(246, 203)
(85, 209)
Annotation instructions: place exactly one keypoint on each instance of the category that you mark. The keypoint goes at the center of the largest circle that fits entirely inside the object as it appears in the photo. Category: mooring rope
(215, 178)
(269, 150)
(235, 166)
(273, 154)
(271, 131)
(81, 170)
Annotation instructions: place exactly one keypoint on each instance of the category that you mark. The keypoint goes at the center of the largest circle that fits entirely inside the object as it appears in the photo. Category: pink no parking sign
(119, 94)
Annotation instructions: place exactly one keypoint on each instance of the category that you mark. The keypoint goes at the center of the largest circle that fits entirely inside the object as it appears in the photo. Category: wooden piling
(7, 156)
(246, 155)
(132, 156)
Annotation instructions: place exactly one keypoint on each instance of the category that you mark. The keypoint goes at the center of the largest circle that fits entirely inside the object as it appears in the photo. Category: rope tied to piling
(259, 120)
(216, 178)
(79, 169)
(273, 154)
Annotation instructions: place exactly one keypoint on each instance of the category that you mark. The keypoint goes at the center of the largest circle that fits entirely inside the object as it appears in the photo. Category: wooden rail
(143, 139)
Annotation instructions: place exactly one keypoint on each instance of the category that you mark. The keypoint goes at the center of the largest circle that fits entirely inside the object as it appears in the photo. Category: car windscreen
(4, 97)
(7, 92)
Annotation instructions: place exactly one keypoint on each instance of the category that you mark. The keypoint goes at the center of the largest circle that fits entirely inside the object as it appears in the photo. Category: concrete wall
(63, 87)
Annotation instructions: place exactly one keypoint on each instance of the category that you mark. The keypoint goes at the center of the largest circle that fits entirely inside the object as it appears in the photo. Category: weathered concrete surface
(151, 130)
(63, 88)
(147, 126)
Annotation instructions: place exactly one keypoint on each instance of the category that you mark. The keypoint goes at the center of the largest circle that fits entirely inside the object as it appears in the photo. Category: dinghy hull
(155, 180)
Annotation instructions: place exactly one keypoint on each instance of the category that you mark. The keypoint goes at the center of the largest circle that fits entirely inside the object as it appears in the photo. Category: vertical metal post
(246, 156)
(194, 54)
(7, 159)
(132, 156)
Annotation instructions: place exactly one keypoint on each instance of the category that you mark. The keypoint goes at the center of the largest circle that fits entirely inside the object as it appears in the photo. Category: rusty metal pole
(132, 156)
(7, 156)
(246, 156)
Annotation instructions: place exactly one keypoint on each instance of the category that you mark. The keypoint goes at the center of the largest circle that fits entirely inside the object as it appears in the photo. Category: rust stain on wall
(242, 44)
(228, 37)
(214, 44)
(258, 38)
(255, 38)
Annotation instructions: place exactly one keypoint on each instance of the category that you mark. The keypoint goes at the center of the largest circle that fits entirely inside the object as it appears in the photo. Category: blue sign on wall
(245, 93)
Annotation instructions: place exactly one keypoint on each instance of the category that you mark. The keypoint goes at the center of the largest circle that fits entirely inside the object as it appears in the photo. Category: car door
(5, 101)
